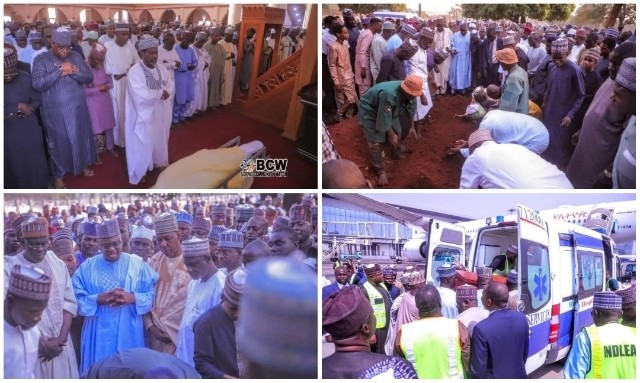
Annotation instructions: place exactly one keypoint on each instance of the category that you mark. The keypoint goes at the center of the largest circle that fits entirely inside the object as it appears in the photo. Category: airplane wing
(404, 217)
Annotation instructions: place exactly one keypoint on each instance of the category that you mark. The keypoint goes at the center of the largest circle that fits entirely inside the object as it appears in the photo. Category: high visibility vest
(504, 272)
(433, 346)
(613, 352)
(377, 302)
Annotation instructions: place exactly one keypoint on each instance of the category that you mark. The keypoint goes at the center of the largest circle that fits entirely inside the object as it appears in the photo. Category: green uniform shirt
(380, 108)
(515, 92)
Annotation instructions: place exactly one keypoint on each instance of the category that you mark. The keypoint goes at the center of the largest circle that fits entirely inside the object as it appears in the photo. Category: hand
(565, 122)
(49, 348)
(233, 55)
(68, 68)
(104, 88)
(460, 144)
(413, 132)
(363, 72)
(393, 139)
(178, 64)
(191, 67)
(382, 180)
(158, 334)
(25, 109)
(338, 87)
(575, 138)
(122, 297)
(165, 95)
(454, 51)
(452, 151)
(105, 298)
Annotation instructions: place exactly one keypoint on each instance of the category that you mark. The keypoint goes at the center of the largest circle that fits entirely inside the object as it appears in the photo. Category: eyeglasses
(37, 246)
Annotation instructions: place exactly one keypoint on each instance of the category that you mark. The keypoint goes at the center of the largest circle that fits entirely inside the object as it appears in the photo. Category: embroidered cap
(215, 232)
(29, 283)
(231, 239)
(607, 300)
(108, 229)
(142, 232)
(35, 227)
(195, 248)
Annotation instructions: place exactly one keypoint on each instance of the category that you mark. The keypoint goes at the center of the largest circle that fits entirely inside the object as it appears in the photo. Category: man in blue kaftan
(460, 75)
(185, 88)
(114, 290)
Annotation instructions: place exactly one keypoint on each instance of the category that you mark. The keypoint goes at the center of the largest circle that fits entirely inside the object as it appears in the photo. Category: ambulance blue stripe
(586, 241)
(565, 242)
(539, 338)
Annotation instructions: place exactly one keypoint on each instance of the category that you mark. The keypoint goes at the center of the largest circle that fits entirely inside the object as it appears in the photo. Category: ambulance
(560, 266)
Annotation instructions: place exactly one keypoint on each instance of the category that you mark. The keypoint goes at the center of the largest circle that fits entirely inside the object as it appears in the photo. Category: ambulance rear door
(534, 282)
(446, 245)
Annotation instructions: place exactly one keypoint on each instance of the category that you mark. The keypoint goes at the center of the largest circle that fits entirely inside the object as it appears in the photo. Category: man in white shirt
(581, 36)
(507, 166)
(121, 56)
(204, 292)
(26, 298)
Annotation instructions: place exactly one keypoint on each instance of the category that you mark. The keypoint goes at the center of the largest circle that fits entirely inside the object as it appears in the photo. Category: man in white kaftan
(121, 56)
(442, 40)
(200, 76)
(168, 57)
(148, 114)
(203, 293)
(62, 306)
(229, 68)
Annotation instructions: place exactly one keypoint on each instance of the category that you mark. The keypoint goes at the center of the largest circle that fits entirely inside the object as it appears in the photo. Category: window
(590, 272)
(536, 280)
(442, 255)
(52, 15)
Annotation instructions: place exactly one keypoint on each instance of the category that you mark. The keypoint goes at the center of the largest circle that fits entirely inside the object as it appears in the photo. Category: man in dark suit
(341, 275)
(500, 343)
(488, 64)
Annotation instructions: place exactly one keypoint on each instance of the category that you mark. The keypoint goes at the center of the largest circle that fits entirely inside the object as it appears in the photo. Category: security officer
(606, 350)
(503, 263)
(377, 294)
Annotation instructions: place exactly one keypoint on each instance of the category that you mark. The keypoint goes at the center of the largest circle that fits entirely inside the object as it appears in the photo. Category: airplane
(624, 216)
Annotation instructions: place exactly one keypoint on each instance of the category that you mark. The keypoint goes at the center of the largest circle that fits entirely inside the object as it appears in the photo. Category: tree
(370, 8)
(514, 12)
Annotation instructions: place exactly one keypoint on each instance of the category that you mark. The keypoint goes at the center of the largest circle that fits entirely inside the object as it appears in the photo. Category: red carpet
(208, 131)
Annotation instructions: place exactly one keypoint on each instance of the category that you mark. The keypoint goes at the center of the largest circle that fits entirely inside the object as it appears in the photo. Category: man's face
(303, 228)
(11, 243)
(169, 244)
(255, 229)
(604, 50)
(89, 245)
(215, 37)
(349, 22)
(141, 247)
(341, 275)
(228, 37)
(511, 256)
(482, 33)
(124, 234)
(122, 38)
(213, 251)
(187, 39)
(389, 279)
(111, 31)
(376, 277)
(111, 248)
(199, 233)
(623, 100)
(440, 25)
(588, 64)
(200, 43)
(533, 41)
(195, 266)
(559, 59)
(424, 42)
(464, 29)
(281, 244)
(46, 37)
(157, 32)
(491, 34)
(579, 40)
(376, 27)
(35, 248)
(230, 258)
(137, 204)
(70, 261)
(21, 41)
(185, 231)
(36, 44)
(615, 60)
(150, 58)
(344, 33)
(387, 33)
(218, 219)
(26, 313)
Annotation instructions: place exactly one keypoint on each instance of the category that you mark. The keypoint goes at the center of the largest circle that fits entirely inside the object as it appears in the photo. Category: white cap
(142, 232)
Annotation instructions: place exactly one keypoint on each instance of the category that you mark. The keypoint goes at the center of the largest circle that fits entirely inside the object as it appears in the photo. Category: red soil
(426, 166)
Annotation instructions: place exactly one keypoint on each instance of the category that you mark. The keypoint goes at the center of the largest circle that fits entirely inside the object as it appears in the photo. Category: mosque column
(235, 13)
(307, 13)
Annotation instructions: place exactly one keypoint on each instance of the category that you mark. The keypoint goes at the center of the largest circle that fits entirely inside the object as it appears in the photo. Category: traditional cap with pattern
(29, 283)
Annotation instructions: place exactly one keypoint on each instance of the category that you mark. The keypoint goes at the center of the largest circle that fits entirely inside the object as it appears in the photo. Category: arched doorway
(198, 16)
(168, 16)
(90, 14)
(51, 14)
(122, 15)
(145, 17)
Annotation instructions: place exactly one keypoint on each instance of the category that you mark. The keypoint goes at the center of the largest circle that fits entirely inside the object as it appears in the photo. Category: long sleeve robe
(148, 121)
(119, 60)
(106, 329)
(216, 72)
(170, 300)
(61, 299)
(64, 112)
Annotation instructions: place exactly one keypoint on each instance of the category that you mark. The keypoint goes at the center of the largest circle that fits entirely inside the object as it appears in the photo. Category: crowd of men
(575, 83)
(465, 325)
(75, 91)
(217, 291)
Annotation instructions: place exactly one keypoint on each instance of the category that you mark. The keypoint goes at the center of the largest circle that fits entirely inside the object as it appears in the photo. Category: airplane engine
(415, 250)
